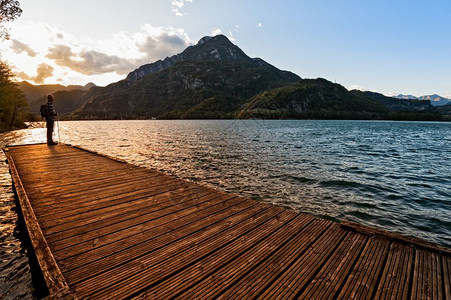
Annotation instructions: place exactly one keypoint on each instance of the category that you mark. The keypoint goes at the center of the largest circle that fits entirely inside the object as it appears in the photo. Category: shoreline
(16, 280)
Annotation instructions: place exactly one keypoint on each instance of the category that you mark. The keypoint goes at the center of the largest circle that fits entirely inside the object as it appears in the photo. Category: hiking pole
(58, 127)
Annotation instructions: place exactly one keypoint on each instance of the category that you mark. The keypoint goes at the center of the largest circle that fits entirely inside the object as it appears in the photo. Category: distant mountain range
(216, 79)
(322, 99)
(435, 99)
(33, 92)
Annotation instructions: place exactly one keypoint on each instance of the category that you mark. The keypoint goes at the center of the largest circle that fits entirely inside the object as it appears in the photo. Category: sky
(392, 47)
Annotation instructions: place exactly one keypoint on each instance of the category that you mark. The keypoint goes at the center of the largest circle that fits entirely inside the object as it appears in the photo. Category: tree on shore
(9, 11)
(12, 100)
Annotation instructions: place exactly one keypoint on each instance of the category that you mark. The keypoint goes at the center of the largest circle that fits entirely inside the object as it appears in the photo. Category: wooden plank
(43, 154)
(117, 249)
(427, 276)
(136, 232)
(86, 183)
(258, 279)
(118, 231)
(73, 210)
(446, 266)
(157, 194)
(71, 196)
(57, 161)
(92, 203)
(437, 288)
(300, 273)
(60, 203)
(418, 274)
(396, 275)
(166, 243)
(79, 235)
(71, 181)
(362, 280)
(52, 274)
(81, 163)
(133, 207)
(218, 272)
(56, 167)
(131, 277)
(327, 283)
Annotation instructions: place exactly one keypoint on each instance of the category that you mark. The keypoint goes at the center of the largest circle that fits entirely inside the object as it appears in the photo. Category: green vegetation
(12, 101)
(9, 11)
(202, 89)
(445, 112)
(65, 101)
(322, 99)
(312, 99)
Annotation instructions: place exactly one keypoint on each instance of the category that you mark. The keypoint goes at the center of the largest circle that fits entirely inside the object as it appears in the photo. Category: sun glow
(40, 54)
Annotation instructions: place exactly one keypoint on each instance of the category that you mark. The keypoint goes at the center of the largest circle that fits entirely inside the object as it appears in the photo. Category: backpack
(43, 111)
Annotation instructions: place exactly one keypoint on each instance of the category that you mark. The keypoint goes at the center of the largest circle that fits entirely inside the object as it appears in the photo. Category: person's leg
(50, 124)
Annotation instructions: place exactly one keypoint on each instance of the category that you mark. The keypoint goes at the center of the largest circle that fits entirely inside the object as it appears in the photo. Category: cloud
(150, 45)
(19, 47)
(177, 5)
(60, 53)
(88, 61)
(259, 25)
(357, 87)
(157, 47)
(74, 61)
(42, 72)
(215, 31)
(231, 36)
(24, 76)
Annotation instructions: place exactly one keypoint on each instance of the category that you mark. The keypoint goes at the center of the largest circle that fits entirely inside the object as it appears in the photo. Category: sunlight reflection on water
(15, 276)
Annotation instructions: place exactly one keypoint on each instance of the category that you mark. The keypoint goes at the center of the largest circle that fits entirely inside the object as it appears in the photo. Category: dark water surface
(15, 276)
(391, 175)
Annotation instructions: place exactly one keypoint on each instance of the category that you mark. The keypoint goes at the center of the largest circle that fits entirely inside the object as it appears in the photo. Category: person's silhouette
(50, 119)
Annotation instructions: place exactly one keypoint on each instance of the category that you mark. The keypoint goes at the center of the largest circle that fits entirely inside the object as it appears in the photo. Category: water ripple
(15, 276)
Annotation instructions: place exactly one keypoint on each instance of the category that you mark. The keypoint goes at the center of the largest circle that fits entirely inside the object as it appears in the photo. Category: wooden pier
(105, 229)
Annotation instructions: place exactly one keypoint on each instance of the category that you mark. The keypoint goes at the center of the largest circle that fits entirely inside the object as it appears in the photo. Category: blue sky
(385, 46)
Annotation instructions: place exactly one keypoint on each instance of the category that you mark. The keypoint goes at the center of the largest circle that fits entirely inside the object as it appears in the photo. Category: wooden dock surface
(105, 229)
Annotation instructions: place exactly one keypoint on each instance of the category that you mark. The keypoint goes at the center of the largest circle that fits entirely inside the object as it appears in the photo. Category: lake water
(15, 276)
(391, 175)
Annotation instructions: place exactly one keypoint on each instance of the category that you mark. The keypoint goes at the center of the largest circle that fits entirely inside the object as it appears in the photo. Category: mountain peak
(401, 96)
(89, 85)
(203, 40)
(216, 38)
(435, 99)
(218, 47)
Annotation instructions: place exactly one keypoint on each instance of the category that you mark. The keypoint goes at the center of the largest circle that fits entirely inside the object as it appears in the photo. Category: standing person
(50, 119)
